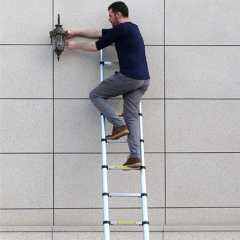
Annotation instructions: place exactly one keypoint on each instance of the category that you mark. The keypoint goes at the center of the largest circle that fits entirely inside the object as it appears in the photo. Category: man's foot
(118, 132)
(133, 162)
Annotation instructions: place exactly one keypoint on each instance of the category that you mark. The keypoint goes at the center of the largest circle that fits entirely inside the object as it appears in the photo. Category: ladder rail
(143, 179)
(104, 170)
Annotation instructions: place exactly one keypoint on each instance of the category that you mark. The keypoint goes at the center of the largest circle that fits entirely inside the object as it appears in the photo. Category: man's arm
(91, 33)
(90, 46)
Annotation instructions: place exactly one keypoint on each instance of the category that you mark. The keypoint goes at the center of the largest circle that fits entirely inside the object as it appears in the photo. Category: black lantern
(58, 36)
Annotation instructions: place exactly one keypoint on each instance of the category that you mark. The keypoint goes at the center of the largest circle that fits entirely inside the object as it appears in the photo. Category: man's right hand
(71, 33)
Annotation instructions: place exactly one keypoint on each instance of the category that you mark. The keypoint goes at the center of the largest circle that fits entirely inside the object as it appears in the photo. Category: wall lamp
(58, 36)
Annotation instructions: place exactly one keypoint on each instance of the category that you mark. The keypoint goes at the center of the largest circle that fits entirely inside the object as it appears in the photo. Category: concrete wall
(50, 166)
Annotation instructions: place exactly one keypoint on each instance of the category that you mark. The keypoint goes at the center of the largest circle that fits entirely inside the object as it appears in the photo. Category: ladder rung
(123, 168)
(124, 194)
(111, 63)
(124, 223)
(117, 141)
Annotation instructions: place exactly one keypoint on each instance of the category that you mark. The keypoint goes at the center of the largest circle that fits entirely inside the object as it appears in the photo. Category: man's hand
(71, 33)
(71, 45)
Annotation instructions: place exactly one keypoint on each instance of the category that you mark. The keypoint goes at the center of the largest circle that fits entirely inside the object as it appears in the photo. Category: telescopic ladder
(105, 194)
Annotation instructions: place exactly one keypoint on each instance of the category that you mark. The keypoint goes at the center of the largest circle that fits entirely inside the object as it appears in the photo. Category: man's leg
(99, 95)
(113, 86)
(131, 116)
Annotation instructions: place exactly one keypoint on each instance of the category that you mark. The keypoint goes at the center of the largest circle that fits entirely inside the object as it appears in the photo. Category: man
(132, 81)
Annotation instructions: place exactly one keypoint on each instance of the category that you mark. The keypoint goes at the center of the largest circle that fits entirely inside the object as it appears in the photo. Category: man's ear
(119, 15)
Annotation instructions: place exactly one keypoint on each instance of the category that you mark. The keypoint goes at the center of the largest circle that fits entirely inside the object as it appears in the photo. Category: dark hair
(119, 7)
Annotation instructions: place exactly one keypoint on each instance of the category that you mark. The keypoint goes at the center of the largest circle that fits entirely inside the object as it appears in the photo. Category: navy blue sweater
(130, 49)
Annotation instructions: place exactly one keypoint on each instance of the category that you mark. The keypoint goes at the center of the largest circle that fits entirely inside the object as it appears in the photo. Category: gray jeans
(132, 91)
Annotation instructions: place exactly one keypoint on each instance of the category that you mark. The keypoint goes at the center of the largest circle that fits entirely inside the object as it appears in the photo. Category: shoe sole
(134, 165)
(119, 135)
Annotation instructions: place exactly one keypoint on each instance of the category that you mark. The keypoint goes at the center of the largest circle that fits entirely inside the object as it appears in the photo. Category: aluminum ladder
(105, 194)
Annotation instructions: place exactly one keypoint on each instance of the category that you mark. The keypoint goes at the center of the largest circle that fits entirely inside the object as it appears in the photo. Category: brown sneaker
(118, 132)
(133, 162)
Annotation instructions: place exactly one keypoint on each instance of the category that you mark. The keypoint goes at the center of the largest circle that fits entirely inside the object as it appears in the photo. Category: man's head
(119, 7)
(118, 12)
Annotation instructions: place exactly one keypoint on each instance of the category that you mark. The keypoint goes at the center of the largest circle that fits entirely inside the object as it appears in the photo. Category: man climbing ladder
(132, 80)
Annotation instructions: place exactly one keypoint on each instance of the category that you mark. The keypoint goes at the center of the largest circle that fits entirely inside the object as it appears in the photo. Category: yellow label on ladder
(120, 114)
(126, 223)
(122, 167)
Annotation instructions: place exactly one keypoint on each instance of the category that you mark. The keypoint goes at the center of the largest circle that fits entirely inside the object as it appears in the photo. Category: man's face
(113, 18)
